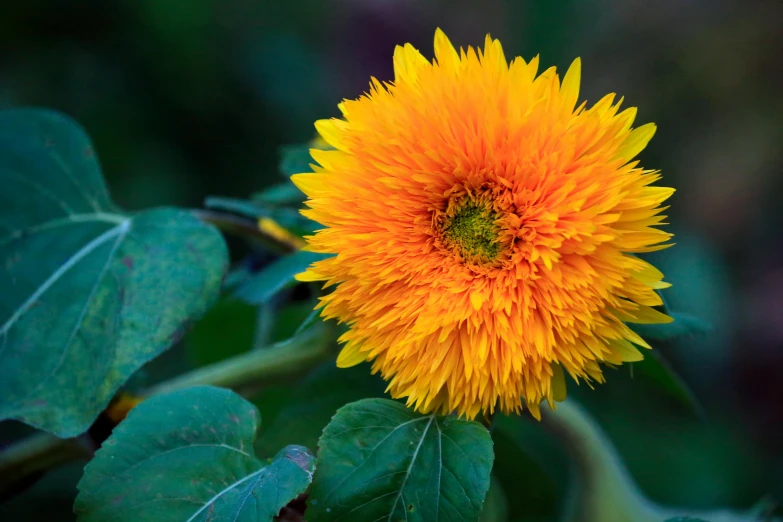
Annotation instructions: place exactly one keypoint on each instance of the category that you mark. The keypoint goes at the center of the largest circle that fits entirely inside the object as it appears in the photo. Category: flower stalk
(602, 488)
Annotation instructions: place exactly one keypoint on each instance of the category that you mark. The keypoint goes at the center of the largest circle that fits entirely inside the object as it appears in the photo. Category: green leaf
(188, 456)
(288, 218)
(683, 324)
(295, 159)
(240, 207)
(280, 194)
(261, 286)
(89, 294)
(312, 318)
(378, 460)
(655, 368)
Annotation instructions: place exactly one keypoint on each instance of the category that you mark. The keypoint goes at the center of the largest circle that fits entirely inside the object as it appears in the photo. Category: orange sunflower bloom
(484, 228)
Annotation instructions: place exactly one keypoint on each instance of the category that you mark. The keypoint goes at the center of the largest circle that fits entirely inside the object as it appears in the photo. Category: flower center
(472, 230)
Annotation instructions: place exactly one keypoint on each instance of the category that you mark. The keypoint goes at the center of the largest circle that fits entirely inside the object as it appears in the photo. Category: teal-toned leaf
(280, 194)
(235, 276)
(261, 286)
(288, 218)
(379, 460)
(683, 324)
(293, 318)
(312, 318)
(685, 519)
(241, 207)
(295, 159)
(90, 294)
(702, 286)
(188, 456)
(655, 369)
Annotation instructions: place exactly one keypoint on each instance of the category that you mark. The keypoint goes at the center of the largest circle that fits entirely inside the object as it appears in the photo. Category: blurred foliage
(189, 99)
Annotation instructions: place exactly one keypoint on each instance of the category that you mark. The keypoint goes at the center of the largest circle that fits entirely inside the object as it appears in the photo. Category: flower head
(484, 228)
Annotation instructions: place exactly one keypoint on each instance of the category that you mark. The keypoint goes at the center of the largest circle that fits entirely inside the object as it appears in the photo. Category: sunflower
(485, 230)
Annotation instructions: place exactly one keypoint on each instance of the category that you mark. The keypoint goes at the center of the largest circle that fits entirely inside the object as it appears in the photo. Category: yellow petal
(318, 142)
(273, 229)
(350, 356)
(407, 61)
(558, 383)
(535, 409)
(647, 315)
(310, 275)
(310, 184)
(636, 141)
(444, 52)
(626, 351)
(477, 299)
(493, 53)
(331, 131)
(570, 87)
(121, 406)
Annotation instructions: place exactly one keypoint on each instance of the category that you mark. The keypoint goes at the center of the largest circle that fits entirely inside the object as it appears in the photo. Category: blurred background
(189, 98)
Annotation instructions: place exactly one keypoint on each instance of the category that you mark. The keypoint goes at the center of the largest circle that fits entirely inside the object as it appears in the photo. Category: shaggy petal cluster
(484, 228)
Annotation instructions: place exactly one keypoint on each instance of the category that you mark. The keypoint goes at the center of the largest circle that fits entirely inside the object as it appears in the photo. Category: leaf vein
(354, 470)
(410, 467)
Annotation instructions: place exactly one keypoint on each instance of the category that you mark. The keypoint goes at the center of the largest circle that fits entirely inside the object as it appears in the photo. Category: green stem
(242, 226)
(22, 460)
(255, 367)
(603, 489)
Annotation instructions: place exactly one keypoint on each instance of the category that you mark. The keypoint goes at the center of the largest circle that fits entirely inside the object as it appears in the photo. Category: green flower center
(473, 231)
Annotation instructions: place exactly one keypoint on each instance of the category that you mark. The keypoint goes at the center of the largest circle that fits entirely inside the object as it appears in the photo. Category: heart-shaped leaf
(379, 460)
(90, 294)
(188, 456)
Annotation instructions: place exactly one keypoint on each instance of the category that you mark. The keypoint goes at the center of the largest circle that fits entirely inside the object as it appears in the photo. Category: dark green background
(186, 98)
